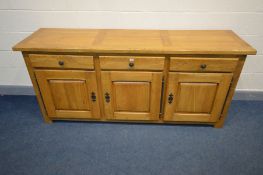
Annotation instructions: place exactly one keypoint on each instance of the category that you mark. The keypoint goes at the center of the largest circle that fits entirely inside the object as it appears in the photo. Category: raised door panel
(196, 97)
(69, 94)
(131, 95)
(125, 100)
(66, 94)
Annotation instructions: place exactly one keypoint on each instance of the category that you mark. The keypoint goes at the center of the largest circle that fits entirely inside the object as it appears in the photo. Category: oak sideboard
(151, 76)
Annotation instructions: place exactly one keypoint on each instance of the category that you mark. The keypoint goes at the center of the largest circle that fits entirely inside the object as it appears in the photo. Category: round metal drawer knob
(203, 66)
(61, 63)
(131, 64)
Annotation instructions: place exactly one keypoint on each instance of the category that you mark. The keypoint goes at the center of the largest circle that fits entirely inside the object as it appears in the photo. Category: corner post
(231, 92)
(36, 89)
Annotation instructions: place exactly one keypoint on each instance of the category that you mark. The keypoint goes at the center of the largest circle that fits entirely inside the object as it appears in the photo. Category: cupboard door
(132, 95)
(196, 97)
(69, 93)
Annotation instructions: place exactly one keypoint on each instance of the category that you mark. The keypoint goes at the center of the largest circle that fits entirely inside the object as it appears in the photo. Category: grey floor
(29, 146)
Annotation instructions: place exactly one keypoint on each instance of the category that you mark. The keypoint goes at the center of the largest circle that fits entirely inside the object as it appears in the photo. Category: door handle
(61, 63)
(93, 96)
(170, 98)
(203, 66)
(107, 97)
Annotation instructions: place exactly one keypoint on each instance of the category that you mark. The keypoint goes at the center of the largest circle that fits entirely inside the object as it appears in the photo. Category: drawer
(203, 64)
(61, 61)
(131, 63)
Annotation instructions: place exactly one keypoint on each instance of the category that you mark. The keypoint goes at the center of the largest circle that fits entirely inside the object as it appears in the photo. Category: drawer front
(61, 61)
(131, 63)
(203, 64)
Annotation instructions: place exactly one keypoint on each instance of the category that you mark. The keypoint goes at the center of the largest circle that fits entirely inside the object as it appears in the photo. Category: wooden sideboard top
(136, 41)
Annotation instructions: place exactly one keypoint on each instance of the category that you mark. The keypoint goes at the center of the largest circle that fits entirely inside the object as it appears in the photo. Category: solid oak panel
(184, 64)
(139, 63)
(193, 117)
(196, 96)
(136, 41)
(54, 61)
(133, 95)
(132, 116)
(67, 93)
(73, 114)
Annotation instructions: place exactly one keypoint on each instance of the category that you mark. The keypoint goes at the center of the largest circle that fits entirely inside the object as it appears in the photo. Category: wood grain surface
(135, 41)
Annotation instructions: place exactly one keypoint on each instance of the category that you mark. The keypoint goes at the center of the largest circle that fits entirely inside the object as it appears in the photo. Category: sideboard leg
(219, 124)
(48, 120)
